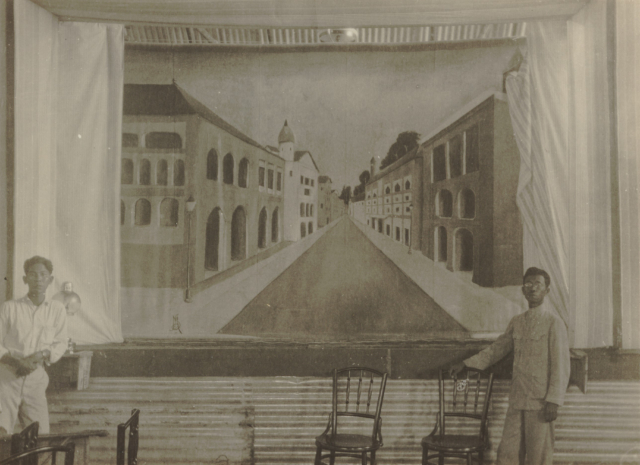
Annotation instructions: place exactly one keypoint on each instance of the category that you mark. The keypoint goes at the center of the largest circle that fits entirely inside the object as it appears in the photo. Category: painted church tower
(300, 188)
(286, 142)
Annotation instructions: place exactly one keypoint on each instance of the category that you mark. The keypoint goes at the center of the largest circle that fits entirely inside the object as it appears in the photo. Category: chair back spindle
(361, 386)
(470, 395)
(131, 456)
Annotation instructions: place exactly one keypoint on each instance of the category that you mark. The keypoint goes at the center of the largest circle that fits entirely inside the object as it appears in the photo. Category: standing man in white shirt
(541, 365)
(33, 331)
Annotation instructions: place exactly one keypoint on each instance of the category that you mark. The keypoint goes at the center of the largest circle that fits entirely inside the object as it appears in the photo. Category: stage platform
(274, 420)
(401, 358)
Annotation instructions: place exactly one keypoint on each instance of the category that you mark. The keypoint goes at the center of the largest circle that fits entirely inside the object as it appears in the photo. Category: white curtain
(68, 103)
(591, 266)
(538, 96)
(628, 105)
(560, 112)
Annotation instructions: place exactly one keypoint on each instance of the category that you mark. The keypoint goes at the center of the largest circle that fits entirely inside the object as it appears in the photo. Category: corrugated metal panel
(275, 420)
(252, 36)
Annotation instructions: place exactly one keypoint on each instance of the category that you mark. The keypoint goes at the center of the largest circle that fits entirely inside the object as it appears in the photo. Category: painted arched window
(407, 185)
(178, 173)
(238, 235)
(126, 176)
(302, 210)
(143, 212)
(243, 171)
(163, 140)
(275, 229)
(440, 244)
(463, 250)
(467, 204)
(145, 172)
(122, 212)
(306, 209)
(169, 212)
(310, 227)
(162, 174)
(444, 204)
(212, 241)
(212, 165)
(227, 169)
(303, 230)
(311, 210)
(387, 190)
(396, 188)
(262, 229)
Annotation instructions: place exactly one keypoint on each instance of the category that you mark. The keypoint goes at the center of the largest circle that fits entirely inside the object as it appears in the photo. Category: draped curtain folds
(560, 113)
(69, 79)
(538, 95)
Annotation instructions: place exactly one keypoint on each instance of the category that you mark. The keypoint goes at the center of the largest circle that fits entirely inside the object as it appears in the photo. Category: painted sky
(344, 107)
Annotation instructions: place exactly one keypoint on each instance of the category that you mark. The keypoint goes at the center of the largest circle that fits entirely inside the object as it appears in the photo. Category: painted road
(343, 285)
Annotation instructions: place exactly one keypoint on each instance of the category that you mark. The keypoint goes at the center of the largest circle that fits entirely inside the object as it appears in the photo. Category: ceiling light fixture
(338, 36)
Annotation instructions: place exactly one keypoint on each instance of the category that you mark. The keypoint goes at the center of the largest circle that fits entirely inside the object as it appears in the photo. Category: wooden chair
(468, 407)
(357, 401)
(42, 453)
(131, 455)
(26, 440)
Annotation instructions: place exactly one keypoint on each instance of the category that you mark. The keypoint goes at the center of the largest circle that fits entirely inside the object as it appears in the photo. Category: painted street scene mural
(318, 195)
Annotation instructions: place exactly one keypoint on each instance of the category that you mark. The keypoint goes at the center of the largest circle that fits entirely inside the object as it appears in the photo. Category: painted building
(175, 148)
(357, 209)
(393, 199)
(471, 220)
(325, 187)
(300, 187)
(330, 206)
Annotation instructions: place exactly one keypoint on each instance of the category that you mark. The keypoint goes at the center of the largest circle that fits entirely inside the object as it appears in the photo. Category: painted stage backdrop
(319, 195)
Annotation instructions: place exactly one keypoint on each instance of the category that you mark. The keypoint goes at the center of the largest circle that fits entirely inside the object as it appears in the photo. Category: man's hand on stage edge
(550, 411)
(456, 369)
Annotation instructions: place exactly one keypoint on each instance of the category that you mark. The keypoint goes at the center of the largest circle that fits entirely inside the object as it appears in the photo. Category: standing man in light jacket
(541, 366)
(33, 331)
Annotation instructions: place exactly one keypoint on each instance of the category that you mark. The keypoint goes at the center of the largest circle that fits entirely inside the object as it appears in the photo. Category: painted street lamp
(190, 204)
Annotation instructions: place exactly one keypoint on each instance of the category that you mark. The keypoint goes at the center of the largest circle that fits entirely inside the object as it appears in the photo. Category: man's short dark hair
(35, 260)
(533, 271)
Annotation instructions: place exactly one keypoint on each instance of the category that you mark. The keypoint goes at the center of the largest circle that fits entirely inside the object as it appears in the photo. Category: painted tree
(345, 195)
(405, 143)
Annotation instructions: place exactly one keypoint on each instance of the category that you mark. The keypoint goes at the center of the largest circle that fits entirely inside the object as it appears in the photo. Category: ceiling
(278, 37)
(282, 23)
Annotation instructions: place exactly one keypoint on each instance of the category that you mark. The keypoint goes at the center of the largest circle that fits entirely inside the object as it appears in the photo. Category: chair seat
(454, 443)
(347, 442)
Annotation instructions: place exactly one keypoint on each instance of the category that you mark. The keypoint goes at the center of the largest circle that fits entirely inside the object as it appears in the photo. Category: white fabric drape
(538, 96)
(69, 80)
(628, 105)
(591, 268)
(559, 108)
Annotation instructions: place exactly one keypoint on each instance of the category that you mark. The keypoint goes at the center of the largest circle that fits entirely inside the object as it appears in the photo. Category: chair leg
(332, 459)
(425, 454)
(481, 457)
(364, 458)
(318, 456)
(440, 458)
(469, 462)
(373, 457)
